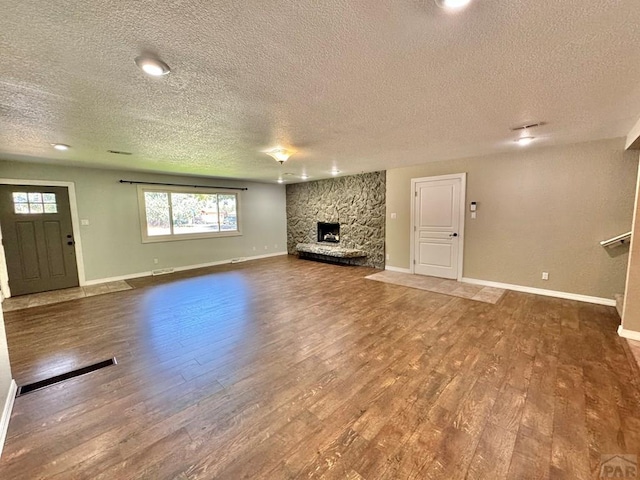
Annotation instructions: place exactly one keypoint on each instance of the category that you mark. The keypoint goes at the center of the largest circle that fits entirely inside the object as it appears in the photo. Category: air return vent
(118, 152)
(32, 387)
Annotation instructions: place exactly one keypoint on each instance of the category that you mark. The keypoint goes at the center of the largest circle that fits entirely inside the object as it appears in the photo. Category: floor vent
(161, 271)
(32, 387)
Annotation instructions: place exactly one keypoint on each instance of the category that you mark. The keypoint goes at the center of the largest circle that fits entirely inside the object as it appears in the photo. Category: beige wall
(111, 244)
(631, 312)
(539, 210)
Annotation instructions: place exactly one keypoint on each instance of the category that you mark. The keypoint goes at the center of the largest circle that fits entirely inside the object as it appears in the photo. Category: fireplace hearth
(328, 232)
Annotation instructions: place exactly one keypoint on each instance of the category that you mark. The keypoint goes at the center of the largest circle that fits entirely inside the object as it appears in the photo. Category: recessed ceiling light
(152, 66)
(524, 141)
(60, 146)
(452, 4)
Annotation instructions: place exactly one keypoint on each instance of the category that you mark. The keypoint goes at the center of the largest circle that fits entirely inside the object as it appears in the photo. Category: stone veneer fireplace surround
(356, 202)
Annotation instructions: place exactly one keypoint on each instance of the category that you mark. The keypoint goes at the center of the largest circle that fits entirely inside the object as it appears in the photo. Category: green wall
(111, 243)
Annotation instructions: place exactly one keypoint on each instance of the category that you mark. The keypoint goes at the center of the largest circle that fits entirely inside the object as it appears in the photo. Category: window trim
(142, 211)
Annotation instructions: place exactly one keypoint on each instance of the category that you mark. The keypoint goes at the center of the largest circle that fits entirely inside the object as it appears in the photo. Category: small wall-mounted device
(473, 206)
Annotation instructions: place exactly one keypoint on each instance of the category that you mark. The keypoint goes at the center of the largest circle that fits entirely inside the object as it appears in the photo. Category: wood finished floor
(284, 368)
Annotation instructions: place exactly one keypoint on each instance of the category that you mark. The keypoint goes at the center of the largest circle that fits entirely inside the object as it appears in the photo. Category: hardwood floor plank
(493, 454)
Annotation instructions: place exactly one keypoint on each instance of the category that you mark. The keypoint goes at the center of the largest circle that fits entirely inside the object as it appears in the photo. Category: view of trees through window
(177, 213)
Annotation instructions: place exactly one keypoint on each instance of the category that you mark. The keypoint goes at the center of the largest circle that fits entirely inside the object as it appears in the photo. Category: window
(180, 214)
(34, 202)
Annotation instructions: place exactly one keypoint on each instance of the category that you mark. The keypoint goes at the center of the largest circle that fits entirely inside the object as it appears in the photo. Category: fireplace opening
(328, 232)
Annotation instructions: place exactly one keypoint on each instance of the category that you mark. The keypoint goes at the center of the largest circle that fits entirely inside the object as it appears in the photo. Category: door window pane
(50, 208)
(49, 197)
(21, 207)
(20, 197)
(35, 197)
(36, 208)
(157, 213)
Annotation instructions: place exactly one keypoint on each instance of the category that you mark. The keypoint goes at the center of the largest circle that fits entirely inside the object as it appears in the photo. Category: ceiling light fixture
(452, 4)
(152, 66)
(335, 172)
(279, 154)
(280, 180)
(60, 146)
(304, 176)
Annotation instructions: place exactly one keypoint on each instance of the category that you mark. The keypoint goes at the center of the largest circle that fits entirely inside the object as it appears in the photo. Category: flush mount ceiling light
(279, 154)
(452, 4)
(60, 146)
(152, 66)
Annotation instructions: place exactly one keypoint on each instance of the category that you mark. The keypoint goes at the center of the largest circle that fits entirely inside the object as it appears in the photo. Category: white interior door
(437, 226)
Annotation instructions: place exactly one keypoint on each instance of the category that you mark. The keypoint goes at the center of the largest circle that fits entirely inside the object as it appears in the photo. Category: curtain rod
(134, 182)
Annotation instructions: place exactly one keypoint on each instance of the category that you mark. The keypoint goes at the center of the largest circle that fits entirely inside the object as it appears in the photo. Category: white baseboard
(630, 334)
(98, 281)
(180, 269)
(6, 412)
(397, 269)
(541, 291)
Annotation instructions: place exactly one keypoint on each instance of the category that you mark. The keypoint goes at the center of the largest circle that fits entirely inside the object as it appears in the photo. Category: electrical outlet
(545, 275)
(155, 261)
(266, 248)
(254, 249)
(387, 256)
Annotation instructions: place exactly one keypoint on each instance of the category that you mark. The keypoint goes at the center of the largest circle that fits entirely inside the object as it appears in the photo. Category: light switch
(84, 222)
(473, 214)
(394, 216)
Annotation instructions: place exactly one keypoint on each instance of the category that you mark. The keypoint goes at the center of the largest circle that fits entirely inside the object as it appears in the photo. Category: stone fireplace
(328, 232)
(355, 204)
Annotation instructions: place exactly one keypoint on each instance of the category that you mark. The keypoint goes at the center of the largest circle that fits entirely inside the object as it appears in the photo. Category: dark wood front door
(38, 238)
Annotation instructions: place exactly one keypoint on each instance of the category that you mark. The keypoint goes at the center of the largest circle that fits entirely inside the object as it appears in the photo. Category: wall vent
(118, 152)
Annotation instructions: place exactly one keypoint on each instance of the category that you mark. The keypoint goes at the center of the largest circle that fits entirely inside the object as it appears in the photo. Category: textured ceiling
(355, 85)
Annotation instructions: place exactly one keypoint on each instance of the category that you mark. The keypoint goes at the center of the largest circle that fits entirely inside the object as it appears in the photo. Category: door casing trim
(463, 208)
(75, 223)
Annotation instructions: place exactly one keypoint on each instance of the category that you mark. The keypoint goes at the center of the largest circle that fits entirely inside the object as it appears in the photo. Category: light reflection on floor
(195, 312)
